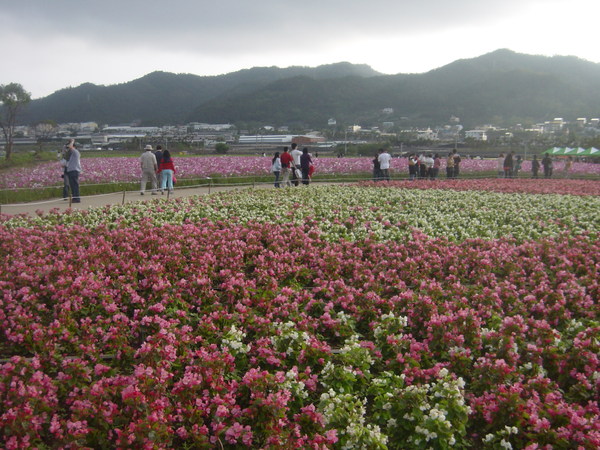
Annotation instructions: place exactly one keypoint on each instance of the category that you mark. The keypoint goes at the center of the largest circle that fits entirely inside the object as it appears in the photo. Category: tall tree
(12, 100)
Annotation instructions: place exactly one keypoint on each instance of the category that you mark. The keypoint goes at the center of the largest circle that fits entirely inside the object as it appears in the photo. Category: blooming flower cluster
(127, 169)
(353, 213)
(223, 322)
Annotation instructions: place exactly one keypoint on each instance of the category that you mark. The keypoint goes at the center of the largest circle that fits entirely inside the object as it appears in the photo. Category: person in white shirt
(384, 159)
(149, 169)
(296, 154)
(276, 167)
(500, 165)
(428, 161)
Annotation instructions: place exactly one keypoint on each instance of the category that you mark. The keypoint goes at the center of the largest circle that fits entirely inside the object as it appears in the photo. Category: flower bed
(168, 328)
(507, 186)
(376, 212)
(127, 169)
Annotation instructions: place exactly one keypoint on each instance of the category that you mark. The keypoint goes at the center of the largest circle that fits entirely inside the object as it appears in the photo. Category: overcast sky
(48, 45)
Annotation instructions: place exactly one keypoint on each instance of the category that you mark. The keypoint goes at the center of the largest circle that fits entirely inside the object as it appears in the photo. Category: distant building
(387, 110)
(266, 139)
(196, 126)
(307, 140)
(478, 135)
(557, 124)
(427, 135)
(332, 122)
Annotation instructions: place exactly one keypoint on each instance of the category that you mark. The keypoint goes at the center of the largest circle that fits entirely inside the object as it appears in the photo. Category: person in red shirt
(167, 170)
(286, 166)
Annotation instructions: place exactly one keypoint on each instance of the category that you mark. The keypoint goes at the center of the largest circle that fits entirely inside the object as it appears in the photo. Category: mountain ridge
(499, 86)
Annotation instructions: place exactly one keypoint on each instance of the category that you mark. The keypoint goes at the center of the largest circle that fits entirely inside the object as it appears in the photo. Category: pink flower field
(127, 169)
(506, 186)
(218, 334)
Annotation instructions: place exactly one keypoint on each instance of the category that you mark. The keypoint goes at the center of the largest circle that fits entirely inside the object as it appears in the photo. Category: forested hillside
(499, 87)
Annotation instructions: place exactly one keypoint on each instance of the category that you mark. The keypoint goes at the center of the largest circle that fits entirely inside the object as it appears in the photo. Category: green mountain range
(501, 87)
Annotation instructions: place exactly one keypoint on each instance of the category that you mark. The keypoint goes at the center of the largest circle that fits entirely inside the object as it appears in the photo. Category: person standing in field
(548, 166)
(276, 167)
(296, 154)
(286, 167)
(517, 166)
(568, 165)
(437, 162)
(428, 160)
(413, 166)
(149, 169)
(376, 169)
(500, 165)
(457, 161)
(450, 166)
(384, 164)
(168, 170)
(535, 167)
(305, 163)
(508, 165)
(74, 170)
(422, 166)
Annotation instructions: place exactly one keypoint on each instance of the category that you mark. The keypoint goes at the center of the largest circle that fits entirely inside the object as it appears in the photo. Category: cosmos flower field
(401, 315)
(127, 169)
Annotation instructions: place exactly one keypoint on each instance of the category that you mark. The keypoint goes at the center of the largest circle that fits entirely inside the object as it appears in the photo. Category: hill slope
(502, 86)
(162, 98)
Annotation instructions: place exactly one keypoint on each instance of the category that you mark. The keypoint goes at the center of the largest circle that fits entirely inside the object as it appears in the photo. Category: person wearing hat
(149, 169)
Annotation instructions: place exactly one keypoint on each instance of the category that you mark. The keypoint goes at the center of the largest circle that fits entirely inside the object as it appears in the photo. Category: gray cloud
(227, 25)
(129, 38)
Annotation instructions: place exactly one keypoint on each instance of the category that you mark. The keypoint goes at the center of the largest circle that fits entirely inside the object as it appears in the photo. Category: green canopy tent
(568, 151)
(591, 152)
(556, 151)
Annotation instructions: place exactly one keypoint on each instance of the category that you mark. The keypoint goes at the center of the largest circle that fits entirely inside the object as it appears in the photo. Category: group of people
(292, 167)
(509, 166)
(71, 163)
(381, 165)
(427, 165)
(158, 168)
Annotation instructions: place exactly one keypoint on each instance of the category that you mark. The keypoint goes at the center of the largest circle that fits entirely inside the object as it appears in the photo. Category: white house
(478, 135)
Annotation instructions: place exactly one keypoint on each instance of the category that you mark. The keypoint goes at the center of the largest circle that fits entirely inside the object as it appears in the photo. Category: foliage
(13, 98)
(501, 87)
(224, 330)
(165, 98)
(221, 148)
(380, 213)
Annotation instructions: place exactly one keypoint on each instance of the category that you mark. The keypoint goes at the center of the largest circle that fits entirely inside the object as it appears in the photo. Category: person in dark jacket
(305, 163)
(535, 167)
(508, 165)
